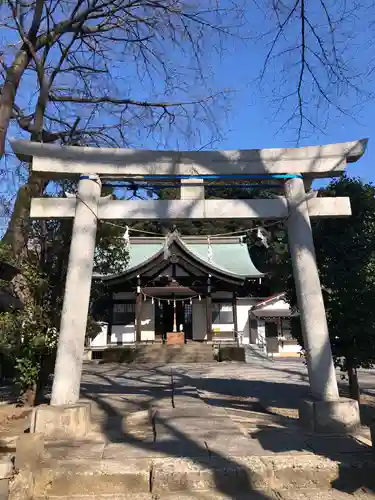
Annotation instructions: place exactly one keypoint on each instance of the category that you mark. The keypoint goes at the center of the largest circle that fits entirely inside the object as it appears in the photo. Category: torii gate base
(324, 411)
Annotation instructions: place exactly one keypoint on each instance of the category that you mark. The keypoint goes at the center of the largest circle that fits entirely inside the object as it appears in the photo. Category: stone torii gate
(299, 166)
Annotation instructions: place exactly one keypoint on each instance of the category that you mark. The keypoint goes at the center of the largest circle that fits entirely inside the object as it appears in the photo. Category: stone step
(194, 352)
(255, 353)
(187, 353)
(66, 478)
(313, 494)
(199, 476)
(202, 495)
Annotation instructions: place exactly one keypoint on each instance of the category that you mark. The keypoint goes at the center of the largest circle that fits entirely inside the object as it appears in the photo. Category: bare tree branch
(122, 102)
(309, 50)
(78, 60)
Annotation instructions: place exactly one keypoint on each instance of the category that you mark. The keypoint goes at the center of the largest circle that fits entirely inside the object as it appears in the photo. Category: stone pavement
(205, 430)
(199, 432)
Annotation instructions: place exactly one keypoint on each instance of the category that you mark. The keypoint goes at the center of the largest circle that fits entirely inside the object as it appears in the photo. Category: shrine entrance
(166, 315)
(293, 169)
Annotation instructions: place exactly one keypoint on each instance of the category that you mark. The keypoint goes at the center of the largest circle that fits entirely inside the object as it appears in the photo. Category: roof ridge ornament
(169, 237)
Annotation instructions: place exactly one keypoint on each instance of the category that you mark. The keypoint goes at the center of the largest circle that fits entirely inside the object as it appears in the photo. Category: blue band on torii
(204, 177)
(224, 176)
(91, 177)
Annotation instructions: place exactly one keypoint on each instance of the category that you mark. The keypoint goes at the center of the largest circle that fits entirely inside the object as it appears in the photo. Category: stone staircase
(309, 494)
(181, 448)
(194, 352)
(254, 352)
(189, 450)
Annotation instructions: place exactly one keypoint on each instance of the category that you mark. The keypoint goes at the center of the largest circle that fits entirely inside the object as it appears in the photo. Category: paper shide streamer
(209, 250)
(127, 238)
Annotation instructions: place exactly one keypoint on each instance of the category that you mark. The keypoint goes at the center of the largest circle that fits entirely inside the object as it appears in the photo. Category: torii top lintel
(54, 161)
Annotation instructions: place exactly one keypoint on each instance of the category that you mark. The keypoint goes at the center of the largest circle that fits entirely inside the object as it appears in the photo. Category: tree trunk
(17, 232)
(14, 74)
(47, 363)
(28, 397)
(8, 93)
(16, 235)
(354, 391)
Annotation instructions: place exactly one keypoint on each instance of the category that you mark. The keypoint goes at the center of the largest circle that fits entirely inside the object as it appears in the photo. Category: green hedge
(119, 355)
(231, 353)
(7, 363)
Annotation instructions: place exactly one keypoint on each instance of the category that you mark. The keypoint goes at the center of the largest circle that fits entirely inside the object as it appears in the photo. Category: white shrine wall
(125, 334)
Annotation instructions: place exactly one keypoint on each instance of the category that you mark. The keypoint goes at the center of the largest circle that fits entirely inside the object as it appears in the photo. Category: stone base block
(29, 451)
(62, 422)
(330, 417)
(175, 475)
(21, 487)
(92, 478)
(6, 472)
(4, 489)
(6, 468)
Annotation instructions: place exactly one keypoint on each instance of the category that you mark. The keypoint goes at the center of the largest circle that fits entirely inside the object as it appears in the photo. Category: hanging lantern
(152, 300)
(199, 297)
(191, 301)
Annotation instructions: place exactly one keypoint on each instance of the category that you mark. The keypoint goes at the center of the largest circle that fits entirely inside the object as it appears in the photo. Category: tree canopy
(29, 336)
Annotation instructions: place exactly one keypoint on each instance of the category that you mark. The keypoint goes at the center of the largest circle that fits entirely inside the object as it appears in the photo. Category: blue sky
(252, 116)
(249, 117)
(253, 121)
(252, 125)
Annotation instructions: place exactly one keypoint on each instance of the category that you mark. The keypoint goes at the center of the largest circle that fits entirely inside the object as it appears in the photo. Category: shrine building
(194, 289)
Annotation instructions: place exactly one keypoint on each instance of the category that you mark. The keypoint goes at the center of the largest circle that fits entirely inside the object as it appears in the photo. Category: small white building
(271, 320)
(208, 291)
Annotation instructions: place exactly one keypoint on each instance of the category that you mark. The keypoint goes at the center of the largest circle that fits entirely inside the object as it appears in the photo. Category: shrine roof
(229, 256)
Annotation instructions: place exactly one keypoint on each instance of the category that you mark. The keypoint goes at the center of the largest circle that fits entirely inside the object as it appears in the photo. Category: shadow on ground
(149, 390)
(144, 388)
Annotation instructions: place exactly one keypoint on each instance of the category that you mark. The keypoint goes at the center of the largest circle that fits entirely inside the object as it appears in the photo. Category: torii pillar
(324, 411)
(69, 359)
(322, 375)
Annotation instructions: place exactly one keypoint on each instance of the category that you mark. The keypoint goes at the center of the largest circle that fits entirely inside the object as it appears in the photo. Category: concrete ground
(273, 384)
(225, 412)
(205, 432)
